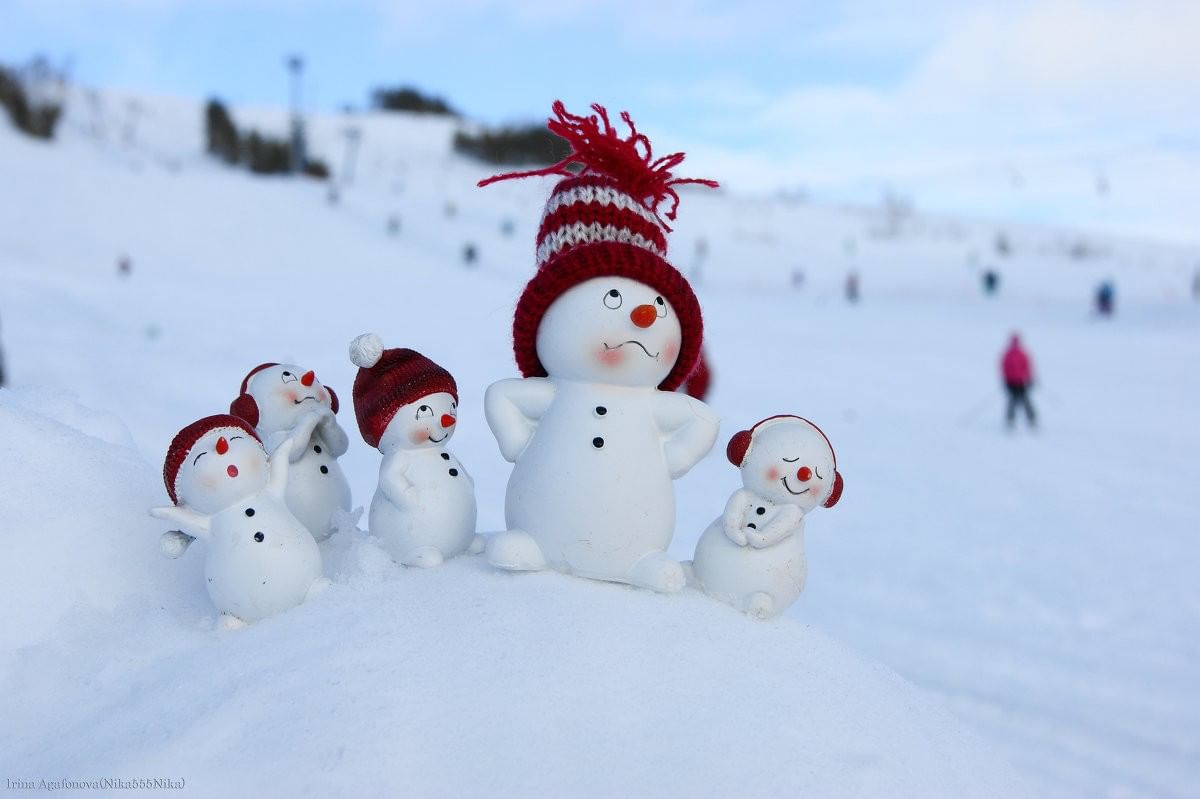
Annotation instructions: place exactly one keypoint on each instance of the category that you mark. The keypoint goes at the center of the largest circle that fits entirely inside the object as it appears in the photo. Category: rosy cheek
(419, 436)
(610, 357)
(671, 351)
(772, 474)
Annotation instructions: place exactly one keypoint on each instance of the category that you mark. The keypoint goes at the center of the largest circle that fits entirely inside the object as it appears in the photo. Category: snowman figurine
(407, 407)
(284, 402)
(752, 557)
(260, 559)
(604, 333)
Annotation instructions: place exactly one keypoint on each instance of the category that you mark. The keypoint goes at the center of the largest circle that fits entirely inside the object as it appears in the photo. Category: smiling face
(428, 422)
(283, 394)
(224, 466)
(789, 462)
(610, 330)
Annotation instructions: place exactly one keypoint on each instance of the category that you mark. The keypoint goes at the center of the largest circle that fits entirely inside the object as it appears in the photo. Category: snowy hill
(1041, 587)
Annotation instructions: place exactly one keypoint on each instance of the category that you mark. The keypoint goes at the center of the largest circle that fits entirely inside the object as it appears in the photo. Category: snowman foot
(423, 558)
(228, 621)
(318, 585)
(515, 551)
(658, 571)
(759, 605)
(478, 544)
(174, 543)
(689, 574)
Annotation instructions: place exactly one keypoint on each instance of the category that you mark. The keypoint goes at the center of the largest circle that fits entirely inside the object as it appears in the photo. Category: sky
(1076, 112)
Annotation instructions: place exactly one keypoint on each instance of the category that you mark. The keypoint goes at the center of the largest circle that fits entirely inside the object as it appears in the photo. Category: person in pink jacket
(1016, 368)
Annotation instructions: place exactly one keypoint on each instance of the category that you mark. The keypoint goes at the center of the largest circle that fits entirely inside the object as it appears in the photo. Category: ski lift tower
(295, 65)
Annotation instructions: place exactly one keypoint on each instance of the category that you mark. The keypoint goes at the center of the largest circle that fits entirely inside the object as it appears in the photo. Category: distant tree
(220, 133)
(516, 146)
(31, 115)
(265, 155)
(407, 98)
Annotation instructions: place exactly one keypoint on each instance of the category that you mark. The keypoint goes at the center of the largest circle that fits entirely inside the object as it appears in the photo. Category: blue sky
(942, 101)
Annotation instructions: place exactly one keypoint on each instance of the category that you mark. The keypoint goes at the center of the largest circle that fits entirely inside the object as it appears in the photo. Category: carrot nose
(804, 474)
(448, 420)
(643, 315)
(222, 445)
(308, 378)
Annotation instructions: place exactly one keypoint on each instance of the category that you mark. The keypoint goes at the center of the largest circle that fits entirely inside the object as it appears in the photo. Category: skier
(1106, 298)
(852, 287)
(991, 281)
(604, 333)
(1016, 369)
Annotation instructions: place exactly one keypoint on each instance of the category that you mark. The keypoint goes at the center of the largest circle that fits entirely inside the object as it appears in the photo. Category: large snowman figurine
(752, 557)
(407, 407)
(287, 403)
(604, 333)
(260, 560)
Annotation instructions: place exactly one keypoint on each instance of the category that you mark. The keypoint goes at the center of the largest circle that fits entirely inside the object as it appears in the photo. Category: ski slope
(1036, 593)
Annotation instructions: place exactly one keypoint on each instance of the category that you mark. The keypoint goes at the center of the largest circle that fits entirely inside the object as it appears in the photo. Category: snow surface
(1042, 587)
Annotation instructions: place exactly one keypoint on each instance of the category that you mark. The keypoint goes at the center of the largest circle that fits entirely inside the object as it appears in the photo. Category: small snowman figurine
(752, 557)
(284, 402)
(407, 406)
(603, 334)
(260, 560)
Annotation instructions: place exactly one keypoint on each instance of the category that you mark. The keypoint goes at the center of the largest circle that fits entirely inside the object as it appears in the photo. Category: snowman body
(762, 581)
(260, 560)
(317, 487)
(593, 487)
(287, 403)
(435, 509)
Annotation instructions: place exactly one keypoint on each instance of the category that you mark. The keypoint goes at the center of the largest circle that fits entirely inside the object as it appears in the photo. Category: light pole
(295, 65)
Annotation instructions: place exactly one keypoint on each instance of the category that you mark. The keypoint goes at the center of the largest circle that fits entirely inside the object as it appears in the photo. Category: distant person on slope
(1017, 370)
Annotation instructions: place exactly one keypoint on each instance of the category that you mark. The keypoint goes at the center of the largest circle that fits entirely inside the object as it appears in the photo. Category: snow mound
(455, 681)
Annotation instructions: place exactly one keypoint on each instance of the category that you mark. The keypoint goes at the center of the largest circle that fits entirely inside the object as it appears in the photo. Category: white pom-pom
(366, 350)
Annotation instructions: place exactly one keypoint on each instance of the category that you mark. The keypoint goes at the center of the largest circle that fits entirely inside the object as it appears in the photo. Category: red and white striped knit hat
(604, 222)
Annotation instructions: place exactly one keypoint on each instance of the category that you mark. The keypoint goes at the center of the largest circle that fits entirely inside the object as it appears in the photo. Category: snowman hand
(174, 543)
(188, 521)
(513, 409)
(785, 521)
(304, 428)
(393, 480)
(335, 437)
(737, 511)
(278, 465)
(690, 429)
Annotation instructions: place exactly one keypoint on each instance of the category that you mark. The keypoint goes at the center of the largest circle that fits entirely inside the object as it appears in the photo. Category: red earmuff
(244, 407)
(736, 449)
(333, 400)
(836, 493)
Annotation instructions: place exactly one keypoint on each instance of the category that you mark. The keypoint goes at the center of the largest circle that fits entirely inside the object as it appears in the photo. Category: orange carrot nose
(643, 315)
(222, 445)
(448, 420)
(308, 378)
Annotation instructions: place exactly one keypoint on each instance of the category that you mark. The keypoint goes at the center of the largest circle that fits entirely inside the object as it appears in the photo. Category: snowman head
(274, 396)
(604, 230)
(427, 422)
(610, 330)
(401, 398)
(787, 459)
(214, 462)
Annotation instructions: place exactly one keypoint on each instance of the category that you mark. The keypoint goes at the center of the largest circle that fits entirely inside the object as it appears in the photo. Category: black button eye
(249, 511)
(661, 307)
(659, 301)
(259, 537)
(612, 299)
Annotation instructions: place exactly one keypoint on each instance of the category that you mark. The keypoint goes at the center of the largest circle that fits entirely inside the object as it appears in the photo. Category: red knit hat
(739, 447)
(245, 406)
(390, 379)
(605, 222)
(186, 438)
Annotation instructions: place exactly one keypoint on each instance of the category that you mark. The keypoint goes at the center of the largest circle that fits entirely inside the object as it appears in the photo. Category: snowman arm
(335, 437)
(734, 518)
(302, 433)
(786, 521)
(394, 482)
(513, 408)
(272, 441)
(689, 428)
(188, 521)
(278, 466)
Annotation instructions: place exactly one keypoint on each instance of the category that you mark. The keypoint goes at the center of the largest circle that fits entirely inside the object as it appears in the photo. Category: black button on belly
(249, 511)
(324, 469)
(445, 456)
(761, 511)
(597, 442)
(752, 526)
(454, 472)
(317, 449)
(259, 537)
(601, 410)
